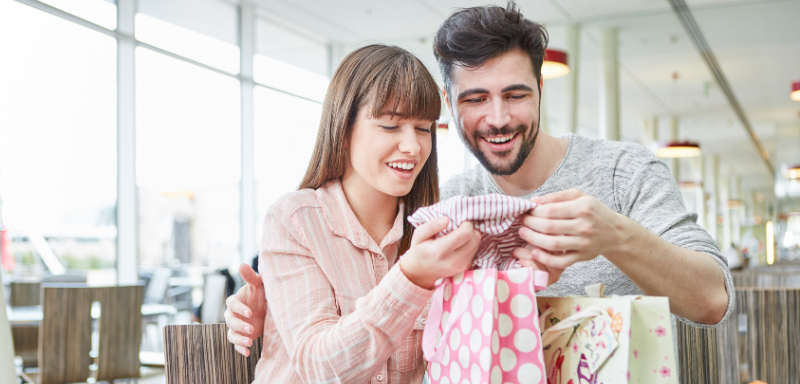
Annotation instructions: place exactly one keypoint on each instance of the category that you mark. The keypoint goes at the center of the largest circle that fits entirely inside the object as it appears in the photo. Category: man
(609, 211)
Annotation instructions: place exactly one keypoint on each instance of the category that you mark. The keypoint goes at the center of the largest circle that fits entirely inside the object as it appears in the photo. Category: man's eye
(517, 97)
(473, 100)
(424, 130)
(389, 127)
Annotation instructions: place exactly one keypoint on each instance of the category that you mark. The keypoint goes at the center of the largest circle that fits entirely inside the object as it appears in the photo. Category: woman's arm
(321, 344)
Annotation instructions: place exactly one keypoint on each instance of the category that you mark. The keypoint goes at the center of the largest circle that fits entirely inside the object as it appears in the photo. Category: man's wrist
(630, 241)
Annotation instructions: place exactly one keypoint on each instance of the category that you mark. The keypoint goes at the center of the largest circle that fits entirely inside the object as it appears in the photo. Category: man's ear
(447, 101)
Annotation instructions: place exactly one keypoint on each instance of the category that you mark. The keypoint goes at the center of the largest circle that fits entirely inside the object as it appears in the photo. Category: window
(285, 133)
(57, 141)
(290, 61)
(201, 30)
(187, 163)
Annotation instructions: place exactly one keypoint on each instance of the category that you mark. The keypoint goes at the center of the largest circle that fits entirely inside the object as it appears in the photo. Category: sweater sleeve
(648, 194)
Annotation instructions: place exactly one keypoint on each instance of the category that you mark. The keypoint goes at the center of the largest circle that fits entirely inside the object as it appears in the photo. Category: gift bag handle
(431, 350)
(540, 280)
(567, 323)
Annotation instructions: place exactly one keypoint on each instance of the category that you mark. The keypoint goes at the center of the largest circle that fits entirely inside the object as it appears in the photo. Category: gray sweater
(630, 180)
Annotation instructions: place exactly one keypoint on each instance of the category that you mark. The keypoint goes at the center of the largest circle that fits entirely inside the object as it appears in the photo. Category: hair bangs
(405, 89)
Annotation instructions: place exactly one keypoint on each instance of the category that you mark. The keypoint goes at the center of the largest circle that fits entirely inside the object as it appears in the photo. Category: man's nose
(498, 115)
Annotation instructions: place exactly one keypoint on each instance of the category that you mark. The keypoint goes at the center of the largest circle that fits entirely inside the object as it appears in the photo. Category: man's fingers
(555, 197)
(569, 227)
(249, 275)
(242, 350)
(555, 260)
(551, 243)
(562, 210)
(237, 307)
(238, 326)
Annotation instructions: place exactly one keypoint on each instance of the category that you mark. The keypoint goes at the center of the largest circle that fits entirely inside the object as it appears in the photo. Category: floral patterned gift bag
(607, 340)
(483, 327)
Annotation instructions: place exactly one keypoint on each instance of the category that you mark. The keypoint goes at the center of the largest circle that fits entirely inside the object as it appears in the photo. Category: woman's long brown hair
(379, 78)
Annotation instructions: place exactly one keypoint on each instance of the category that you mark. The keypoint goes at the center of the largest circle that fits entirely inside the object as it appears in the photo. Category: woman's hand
(430, 258)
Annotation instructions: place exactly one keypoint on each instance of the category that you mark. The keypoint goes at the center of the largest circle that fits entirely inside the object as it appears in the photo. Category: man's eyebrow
(471, 91)
(517, 87)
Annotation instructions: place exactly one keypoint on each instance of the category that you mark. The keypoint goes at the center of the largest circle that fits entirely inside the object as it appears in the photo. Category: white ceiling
(756, 43)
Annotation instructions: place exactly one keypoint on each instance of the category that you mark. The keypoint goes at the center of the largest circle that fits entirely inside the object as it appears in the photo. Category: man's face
(496, 110)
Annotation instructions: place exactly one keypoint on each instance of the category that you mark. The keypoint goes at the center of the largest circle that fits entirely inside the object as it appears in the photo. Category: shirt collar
(343, 222)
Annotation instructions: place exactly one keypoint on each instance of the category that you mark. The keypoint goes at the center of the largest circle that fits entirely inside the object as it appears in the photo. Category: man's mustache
(505, 130)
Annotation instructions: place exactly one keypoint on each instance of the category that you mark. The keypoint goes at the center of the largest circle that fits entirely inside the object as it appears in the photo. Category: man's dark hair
(472, 36)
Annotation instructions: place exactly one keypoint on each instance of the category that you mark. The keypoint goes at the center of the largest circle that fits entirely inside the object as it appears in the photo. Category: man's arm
(570, 226)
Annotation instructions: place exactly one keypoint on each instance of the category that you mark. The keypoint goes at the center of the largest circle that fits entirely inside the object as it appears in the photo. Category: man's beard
(529, 140)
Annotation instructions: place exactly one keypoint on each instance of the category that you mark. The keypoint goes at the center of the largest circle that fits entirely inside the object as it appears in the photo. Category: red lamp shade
(675, 149)
(555, 64)
(796, 90)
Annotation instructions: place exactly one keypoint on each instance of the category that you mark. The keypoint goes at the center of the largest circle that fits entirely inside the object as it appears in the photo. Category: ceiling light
(673, 149)
(795, 89)
(791, 172)
(555, 64)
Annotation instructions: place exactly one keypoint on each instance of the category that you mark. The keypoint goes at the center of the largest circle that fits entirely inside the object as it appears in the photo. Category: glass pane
(290, 61)
(187, 163)
(202, 30)
(291, 47)
(100, 12)
(57, 142)
(285, 133)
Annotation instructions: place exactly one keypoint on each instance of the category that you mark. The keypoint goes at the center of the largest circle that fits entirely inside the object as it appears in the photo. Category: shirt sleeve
(322, 345)
(650, 196)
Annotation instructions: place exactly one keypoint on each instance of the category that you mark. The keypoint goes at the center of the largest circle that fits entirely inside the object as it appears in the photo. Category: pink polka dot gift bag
(483, 327)
(607, 340)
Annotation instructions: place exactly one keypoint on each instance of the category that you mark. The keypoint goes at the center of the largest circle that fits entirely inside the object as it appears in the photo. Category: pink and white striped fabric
(497, 216)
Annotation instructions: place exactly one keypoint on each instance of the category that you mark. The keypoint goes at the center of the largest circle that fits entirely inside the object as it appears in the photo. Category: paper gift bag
(608, 340)
(483, 328)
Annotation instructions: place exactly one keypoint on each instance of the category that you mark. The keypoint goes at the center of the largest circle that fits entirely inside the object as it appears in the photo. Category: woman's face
(386, 153)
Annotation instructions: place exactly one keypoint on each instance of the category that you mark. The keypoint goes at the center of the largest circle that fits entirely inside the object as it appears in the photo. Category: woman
(341, 308)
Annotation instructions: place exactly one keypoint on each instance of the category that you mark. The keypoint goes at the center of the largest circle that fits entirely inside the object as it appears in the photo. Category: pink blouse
(339, 310)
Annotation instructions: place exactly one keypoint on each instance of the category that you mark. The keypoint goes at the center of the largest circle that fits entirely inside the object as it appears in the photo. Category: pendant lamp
(555, 64)
(677, 149)
(795, 89)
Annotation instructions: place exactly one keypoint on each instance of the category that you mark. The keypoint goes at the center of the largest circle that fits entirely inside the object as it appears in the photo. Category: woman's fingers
(429, 229)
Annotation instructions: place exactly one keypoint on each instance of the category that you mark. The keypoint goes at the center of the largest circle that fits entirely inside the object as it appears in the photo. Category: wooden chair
(65, 335)
(201, 353)
(7, 368)
(23, 294)
(26, 338)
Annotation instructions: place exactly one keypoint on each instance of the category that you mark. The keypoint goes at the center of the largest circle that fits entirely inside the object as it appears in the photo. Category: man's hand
(526, 259)
(246, 311)
(568, 227)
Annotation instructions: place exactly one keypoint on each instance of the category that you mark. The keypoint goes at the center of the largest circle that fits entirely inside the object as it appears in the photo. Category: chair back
(214, 296)
(65, 335)
(7, 370)
(23, 294)
(201, 353)
(158, 285)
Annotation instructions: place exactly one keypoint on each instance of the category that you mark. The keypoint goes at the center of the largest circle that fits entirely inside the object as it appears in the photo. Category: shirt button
(380, 257)
(379, 377)
(422, 321)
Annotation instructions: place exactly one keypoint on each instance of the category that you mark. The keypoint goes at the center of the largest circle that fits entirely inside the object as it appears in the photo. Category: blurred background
(143, 140)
